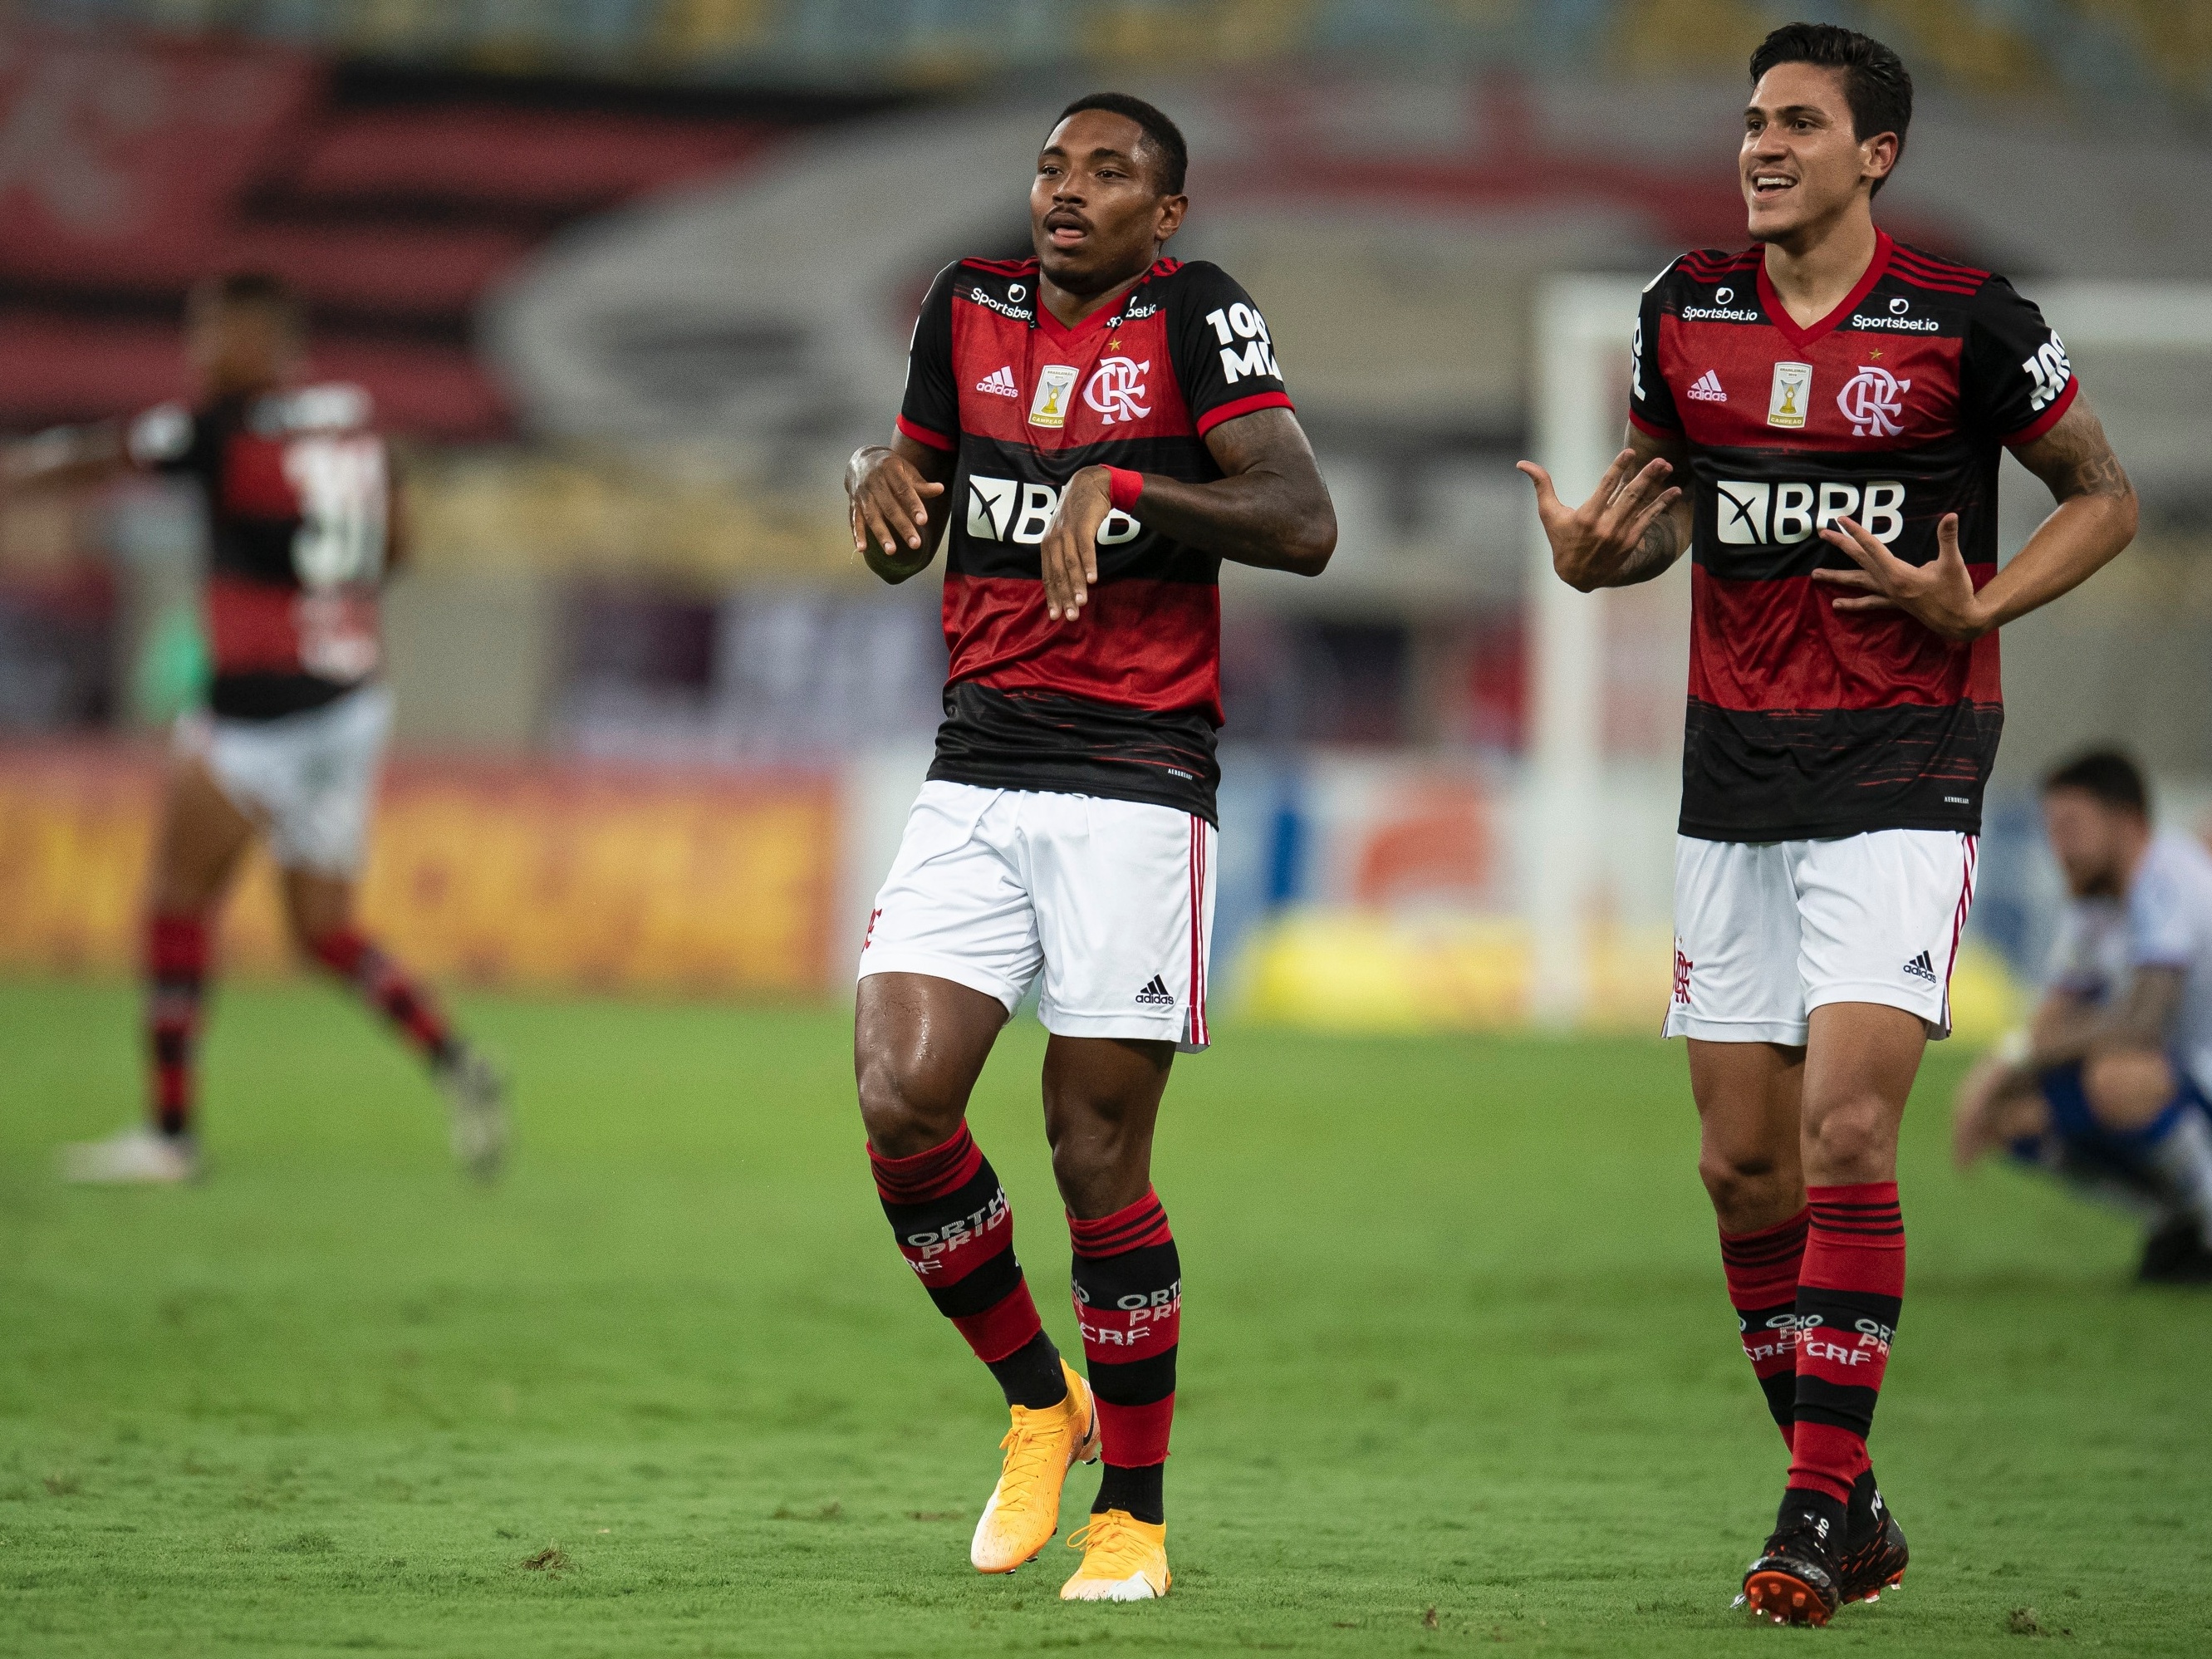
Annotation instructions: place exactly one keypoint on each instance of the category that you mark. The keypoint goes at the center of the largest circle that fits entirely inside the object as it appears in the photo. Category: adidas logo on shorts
(1155, 996)
(1920, 968)
(1000, 382)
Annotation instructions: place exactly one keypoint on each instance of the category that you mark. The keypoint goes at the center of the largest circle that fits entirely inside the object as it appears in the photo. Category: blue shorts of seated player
(2073, 1120)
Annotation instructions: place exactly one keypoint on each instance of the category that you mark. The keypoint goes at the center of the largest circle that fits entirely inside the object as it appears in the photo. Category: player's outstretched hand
(1973, 1110)
(1071, 543)
(1593, 544)
(1939, 596)
(889, 509)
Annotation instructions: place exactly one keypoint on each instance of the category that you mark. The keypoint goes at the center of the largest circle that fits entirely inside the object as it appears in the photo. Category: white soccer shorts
(1766, 931)
(308, 779)
(1111, 901)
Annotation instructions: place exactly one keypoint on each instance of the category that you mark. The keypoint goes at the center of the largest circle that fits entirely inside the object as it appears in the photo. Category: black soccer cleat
(1796, 1579)
(2175, 1254)
(1873, 1557)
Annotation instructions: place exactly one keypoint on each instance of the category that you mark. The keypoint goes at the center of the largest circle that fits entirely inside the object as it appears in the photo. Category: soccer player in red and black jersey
(1818, 420)
(299, 505)
(1090, 433)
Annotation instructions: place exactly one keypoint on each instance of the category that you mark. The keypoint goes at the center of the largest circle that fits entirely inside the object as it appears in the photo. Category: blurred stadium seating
(630, 277)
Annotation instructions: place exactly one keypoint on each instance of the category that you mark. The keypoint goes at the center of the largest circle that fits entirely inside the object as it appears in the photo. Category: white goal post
(2121, 334)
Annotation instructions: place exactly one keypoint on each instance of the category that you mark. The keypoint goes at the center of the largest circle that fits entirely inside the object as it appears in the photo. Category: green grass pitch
(1458, 1369)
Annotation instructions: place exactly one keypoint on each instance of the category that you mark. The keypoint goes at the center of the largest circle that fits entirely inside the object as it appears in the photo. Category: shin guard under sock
(176, 982)
(956, 1230)
(1849, 1292)
(1128, 1283)
(384, 985)
(1762, 1269)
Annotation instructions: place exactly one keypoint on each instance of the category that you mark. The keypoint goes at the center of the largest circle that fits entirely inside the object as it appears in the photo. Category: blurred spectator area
(2111, 51)
(392, 198)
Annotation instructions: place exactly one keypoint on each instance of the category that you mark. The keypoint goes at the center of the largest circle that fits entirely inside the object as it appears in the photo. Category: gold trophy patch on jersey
(1792, 395)
(1055, 384)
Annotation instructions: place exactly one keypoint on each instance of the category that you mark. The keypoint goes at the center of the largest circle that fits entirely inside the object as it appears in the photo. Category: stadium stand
(392, 199)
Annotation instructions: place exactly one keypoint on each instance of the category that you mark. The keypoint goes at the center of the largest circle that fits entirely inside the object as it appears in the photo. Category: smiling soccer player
(1090, 432)
(1818, 420)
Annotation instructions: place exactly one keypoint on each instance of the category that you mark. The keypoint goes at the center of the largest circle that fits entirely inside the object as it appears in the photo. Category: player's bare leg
(1860, 1061)
(1747, 1096)
(319, 908)
(918, 1044)
(197, 851)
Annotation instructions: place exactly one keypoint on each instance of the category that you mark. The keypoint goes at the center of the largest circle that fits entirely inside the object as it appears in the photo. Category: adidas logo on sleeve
(1156, 996)
(1000, 382)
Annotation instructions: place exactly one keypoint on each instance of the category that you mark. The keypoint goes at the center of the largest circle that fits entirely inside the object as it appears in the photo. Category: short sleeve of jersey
(930, 412)
(2160, 931)
(165, 439)
(1224, 353)
(1650, 400)
(2015, 380)
(2071, 971)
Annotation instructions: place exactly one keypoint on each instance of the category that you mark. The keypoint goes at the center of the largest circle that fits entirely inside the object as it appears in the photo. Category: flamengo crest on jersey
(1123, 702)
(1892, 411)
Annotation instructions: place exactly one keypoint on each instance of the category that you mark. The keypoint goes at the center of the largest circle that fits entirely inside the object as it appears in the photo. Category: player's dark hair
(2106, 776)
(1173, 157)
(252, 289)
(1876, 85)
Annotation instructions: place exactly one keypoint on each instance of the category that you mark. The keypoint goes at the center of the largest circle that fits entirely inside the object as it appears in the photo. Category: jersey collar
(1779, 315)
(1105, 317)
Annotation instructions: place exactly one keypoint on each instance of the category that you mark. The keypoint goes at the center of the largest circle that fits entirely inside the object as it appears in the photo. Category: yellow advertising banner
(561, 878)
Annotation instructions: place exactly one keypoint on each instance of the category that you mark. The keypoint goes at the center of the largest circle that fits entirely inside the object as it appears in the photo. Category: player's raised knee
(2127, 1088)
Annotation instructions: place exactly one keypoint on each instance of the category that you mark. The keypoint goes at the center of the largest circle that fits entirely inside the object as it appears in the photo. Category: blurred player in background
(1091, 431)
(2107, 1088)
(303, 528)
(1820, 420)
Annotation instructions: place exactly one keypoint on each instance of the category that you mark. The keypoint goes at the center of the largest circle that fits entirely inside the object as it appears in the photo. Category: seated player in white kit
(2107, 1088)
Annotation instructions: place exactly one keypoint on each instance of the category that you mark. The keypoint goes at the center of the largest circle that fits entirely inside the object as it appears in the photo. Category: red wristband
(1123, 487)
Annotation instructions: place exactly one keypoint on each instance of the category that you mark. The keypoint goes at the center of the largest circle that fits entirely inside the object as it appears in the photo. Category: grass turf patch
(1458, 1369)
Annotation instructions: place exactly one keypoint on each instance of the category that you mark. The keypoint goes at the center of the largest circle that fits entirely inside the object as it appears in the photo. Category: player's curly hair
(2107, 776)
(250, 290)
(1876, 84)
(1173, 157)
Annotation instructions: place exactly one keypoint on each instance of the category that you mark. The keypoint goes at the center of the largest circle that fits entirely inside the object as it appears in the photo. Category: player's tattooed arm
(888, 490)
(2067, 1030)
(1632, 528)
(1270, 508)
(2095, 520)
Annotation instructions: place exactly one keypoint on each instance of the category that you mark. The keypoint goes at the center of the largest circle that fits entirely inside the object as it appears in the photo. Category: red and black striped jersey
(295, 487)
(1124, 703)
(1892, 410)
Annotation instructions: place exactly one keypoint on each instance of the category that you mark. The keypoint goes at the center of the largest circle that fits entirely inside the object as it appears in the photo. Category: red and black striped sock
(1763, 1270)
(1128, 1283)
(176, 985)
(1849, 1292)
(956, 1230)
(384, 985)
